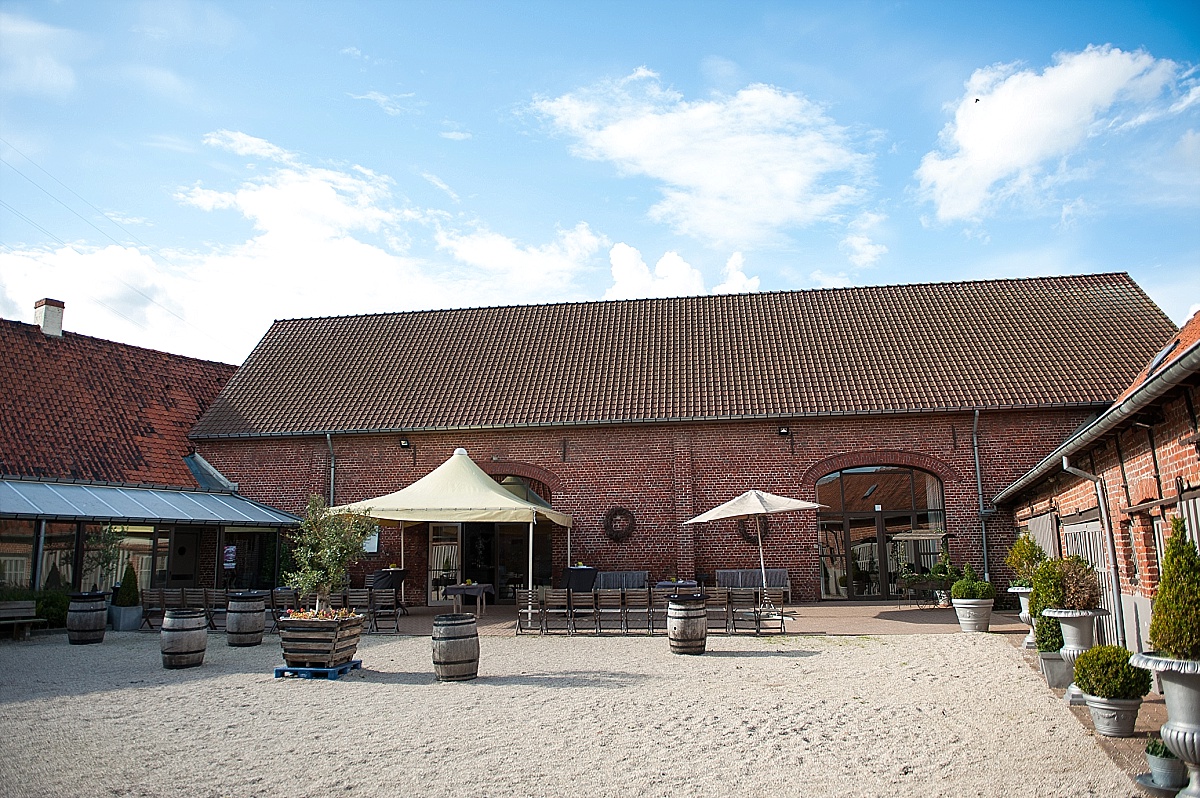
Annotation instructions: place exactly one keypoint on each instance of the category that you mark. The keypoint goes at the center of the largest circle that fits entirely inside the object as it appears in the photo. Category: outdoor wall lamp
(784, 431)
(405, 444)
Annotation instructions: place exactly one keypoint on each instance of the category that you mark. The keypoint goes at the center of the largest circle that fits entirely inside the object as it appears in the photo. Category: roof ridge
(72, 334)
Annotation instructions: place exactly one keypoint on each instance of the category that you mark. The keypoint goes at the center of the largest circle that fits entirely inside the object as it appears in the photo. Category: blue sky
(182, 173)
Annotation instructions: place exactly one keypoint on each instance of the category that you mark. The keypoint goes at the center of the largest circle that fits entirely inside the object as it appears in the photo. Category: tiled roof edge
(67, 334)
(99, 483)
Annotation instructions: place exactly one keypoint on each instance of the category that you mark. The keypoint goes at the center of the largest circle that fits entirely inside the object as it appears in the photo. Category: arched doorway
(867, 506)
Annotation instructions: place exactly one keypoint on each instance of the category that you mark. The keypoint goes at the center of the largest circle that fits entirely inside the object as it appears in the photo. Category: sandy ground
(914, 715)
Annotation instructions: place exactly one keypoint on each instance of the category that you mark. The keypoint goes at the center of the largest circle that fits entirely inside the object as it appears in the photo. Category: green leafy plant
(1047, 592)
(127, 594)
(1024, 556)
(1081, 587)
(324, 548)
(103, 551)
(944, 570)
(1175, 620)
(1156, 747)
(972, 587)
(1105, 672)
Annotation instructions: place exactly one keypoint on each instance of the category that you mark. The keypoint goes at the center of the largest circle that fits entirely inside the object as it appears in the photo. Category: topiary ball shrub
(1081, 588)
(1105, 672)
(127, 594)
(1047, 633)
(1175, 621)
(971, 587)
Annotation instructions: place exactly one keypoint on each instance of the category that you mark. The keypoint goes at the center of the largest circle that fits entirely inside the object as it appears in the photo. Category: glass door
(443, 561)
(831, 542)
(864, 547)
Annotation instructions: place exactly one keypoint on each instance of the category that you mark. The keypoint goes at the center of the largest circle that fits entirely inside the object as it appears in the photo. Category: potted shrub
(1047, 632)
(1023, 558)
(324, 548)
(125, 614)
(1166, 770)
(973, 599)
(1112, 689)
(947, 574)
(1077, 615)
(1175, 638)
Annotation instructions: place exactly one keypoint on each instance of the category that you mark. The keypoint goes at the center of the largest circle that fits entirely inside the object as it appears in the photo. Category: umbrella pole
(762, 564)
(530, 579)
(402, 581)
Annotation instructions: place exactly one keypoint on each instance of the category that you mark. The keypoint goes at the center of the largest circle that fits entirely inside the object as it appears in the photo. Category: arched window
(867, 527)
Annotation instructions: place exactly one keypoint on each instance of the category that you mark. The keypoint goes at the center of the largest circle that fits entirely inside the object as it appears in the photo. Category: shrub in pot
(1175, 638)
(973, 599)
(1112, 689)
(125, 614)
(947, 573)
(1023, 558)
(1047, 632)
(1077, 615)
(1165, 768)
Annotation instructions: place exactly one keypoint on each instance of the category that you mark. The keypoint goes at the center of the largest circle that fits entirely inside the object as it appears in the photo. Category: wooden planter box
(314, 643)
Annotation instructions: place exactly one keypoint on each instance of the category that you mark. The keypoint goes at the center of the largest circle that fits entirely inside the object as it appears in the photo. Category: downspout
(979, 490)
(332, 466)
(1118, 610)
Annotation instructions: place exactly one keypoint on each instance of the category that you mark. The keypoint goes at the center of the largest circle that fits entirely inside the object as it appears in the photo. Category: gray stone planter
(1079, 634)
(125, 619)
(1113, 717)
(1167, 772)
(974, 615)
(1181, 692)
(1022, 594)
(1058, 673)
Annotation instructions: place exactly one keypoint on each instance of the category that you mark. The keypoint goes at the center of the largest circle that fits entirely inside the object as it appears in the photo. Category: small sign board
(230, 558)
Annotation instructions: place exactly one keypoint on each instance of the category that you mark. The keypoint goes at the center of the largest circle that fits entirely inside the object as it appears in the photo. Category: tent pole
(402, 581)
(530, 578)
(568, 547)
(762, 564)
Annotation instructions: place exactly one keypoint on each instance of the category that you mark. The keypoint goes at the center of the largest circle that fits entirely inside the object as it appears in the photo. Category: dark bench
(20, 615)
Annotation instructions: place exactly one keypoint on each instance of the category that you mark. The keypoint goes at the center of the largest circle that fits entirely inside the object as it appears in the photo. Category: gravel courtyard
(913, 715)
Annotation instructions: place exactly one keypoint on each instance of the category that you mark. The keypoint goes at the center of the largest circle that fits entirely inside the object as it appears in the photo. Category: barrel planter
(244, 623)
(687, 623)
(455, 647)
(183, 638)
(319, 642)
(87, 615)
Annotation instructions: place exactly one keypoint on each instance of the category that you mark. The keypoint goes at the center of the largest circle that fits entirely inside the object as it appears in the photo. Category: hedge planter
(1113, 717)
(1022, 594)
(1181, 693)
(319, 642)
(1079, 634)
(125, 619)
(974, 615)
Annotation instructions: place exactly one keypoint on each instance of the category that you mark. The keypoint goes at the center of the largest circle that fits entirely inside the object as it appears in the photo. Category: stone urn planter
(1181, 692)
(974, 615)
(1112, 688)
(1079, 634)
(1022, 594)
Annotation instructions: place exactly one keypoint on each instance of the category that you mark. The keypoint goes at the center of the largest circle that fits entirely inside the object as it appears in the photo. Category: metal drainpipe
(332, 466)
(1118, 610)
(987, 577)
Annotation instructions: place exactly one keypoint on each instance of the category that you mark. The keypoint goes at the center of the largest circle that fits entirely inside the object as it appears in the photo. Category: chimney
(48, 314)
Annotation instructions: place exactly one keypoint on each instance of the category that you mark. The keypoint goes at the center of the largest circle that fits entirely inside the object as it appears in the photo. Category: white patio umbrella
(752, 504)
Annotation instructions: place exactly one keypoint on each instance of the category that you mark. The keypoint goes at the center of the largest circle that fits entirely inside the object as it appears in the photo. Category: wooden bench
(752, 577)
(21, 616)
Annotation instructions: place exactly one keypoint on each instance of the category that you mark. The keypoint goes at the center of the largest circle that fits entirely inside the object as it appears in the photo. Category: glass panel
(928, 491)
(250, 550)
(443, 560)
(829, 492)
(16, 553)
(58, 557)
(864, 557)
(512, 567)
(479, 554)
(831, 544)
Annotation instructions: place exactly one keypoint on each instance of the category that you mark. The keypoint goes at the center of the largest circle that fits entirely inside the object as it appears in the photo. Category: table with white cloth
(476, 589)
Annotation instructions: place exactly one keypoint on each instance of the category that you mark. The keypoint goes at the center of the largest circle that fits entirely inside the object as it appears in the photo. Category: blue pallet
(320, 673)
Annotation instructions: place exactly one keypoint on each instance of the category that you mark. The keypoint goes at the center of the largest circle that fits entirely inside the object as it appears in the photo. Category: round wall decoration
(746, 529)
(619, 524)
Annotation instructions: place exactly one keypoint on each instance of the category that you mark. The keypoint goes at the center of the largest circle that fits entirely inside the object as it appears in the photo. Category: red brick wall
(666, 474)
(1127, 463)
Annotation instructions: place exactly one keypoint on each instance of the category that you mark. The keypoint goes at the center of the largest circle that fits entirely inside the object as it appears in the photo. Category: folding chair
(743, 606)
(608, 603)
(637, 603)
(716, 608)
(217, 602)
(282, 600)
(658, 606)
(583, 605)
(554, 604)
(152, 607)
(770, 610)
(359, 600)
(529, 611)
(173, 598)
(384, 604)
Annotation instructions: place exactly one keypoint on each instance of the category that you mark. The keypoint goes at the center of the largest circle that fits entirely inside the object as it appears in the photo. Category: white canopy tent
(458, 490)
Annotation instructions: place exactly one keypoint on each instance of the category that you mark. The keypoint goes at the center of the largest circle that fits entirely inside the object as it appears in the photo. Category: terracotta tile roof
(1051, 341)
(84, 408)
(1179, 344)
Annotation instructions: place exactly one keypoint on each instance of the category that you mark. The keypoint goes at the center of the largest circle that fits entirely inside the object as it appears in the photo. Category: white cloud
(632, 278)
(391, 104)
(440, 184)
(738, 169)
(36, 58)
(822, 279)
(455, 135)
(736, 281)
(858, 244)
(1012, 126)
(325, 241)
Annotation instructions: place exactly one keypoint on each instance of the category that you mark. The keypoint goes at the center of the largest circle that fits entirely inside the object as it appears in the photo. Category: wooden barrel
(244, 619)
(687, 624)
(183, 638)
(455, 647)
(86, 616)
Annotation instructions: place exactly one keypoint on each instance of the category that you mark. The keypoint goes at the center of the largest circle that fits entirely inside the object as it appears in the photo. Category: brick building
(93, 435)
(900, 408)
(1144, 453)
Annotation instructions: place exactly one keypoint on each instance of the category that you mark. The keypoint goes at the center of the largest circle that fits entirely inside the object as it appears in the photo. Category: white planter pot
(1113, 717)
(974, 615)
(1181, 693)
(1079, 634)
(1022, 594)
(125, 619)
